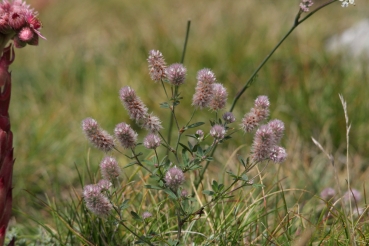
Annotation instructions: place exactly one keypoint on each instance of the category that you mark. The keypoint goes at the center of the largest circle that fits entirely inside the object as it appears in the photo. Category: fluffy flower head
(176, 74)
(174, 178)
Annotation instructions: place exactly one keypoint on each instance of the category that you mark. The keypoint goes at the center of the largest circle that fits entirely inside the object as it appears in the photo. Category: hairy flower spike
(219, 99)
(228, 117)
(125, 135)
(157, 65)
(263, 143)
(151, 123)
(104, 184)
(218, 132)
(305, 4)
(133, 104)
(257, 114)
(98, 137)
(204, 89)
(174, 178)
(278, 129)
(278, 154)
(110, 169)
(152, 141)
(176, 74)
(96, 202)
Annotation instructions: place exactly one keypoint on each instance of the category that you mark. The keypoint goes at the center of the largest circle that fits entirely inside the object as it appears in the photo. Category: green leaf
(258, 185)
(185, 147)
(215, 186)
(244, 177)
(153, 187)
(208, 192)
(171, 194)
(195, 125)
(130, 164)
(124, 205)
(164, 105)
(135, 216)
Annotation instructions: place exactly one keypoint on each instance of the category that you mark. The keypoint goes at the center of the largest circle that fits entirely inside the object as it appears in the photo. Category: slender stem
(176, 88)
(253, 76)
(202, 173)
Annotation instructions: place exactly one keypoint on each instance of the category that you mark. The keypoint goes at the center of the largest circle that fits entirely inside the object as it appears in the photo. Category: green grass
(96, 47)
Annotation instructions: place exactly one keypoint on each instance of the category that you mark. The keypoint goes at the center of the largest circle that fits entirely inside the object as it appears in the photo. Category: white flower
(345, 3)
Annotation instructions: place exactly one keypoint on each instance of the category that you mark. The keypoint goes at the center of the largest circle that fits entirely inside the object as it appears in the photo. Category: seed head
(125, 135)
(219, 99)
(174, 178)
(133, 104)
(218, 132)
(157, 65)
(176, 74)
(110, 169)
(97, 136)
(152, 141)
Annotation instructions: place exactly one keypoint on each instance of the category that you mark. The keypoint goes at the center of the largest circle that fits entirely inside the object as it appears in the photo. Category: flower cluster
(110, 169)
(174, 178)
(19, 22)
(258, 113)
(157, 65)
(204, 89)
(125, 135)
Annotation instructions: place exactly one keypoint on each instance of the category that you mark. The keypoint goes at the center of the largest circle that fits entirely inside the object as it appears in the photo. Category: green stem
(176, 89)
(253, 76)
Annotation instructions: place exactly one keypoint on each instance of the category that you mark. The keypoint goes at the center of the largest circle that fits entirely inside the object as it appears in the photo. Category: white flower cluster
(345, 3)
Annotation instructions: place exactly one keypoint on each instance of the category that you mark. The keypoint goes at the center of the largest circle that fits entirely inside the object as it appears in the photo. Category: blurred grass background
(94, 48)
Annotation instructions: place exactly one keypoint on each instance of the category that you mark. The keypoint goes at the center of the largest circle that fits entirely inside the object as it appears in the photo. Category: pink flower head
(257, 114)
(151, 123)
(146, 215)
(96, 202)
(176, 74)
(125, 135)
(278, 154)
(263, 143)
(97, 136)
(204, 89)
(305, 4)
(133, 104)
(278, 129)
(104, 184)
(219, 99)
(327, 194)
(352, 194)
(157, 65)
(174, 178)
(218, 132)
(152, 141)
(110, 169)
(228, 117)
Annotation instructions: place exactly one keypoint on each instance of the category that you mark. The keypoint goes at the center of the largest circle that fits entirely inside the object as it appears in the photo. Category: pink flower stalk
(97, 136)
(6, 143)
(204, 89)
(157, 65)
(152, 141)
(110, 169)
(96, 202)
(174, 178)
(176, 74)
(133, 104)
(125, 135)
(305, 5)
(218, 132)
(151, 123)
(219, 99)
(257, 114)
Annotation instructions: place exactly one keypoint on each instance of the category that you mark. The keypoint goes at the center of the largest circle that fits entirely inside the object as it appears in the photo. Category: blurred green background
(94, 48)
